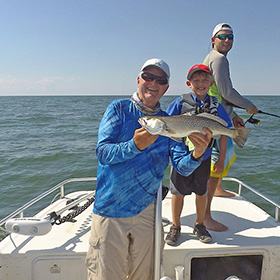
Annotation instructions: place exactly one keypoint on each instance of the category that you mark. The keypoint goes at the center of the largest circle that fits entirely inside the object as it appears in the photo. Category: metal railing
(241, 184)
(20, 211)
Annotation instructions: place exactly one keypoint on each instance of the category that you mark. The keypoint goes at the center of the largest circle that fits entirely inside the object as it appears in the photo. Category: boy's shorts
(196, 182)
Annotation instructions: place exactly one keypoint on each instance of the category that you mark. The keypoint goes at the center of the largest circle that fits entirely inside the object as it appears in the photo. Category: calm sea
(45, 140)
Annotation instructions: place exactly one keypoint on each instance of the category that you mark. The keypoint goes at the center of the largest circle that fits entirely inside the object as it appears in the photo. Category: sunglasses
(149, 77)
(224, 36)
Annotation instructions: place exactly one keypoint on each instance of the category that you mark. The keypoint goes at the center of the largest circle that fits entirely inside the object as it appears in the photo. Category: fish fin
(213, 117)
(188, 114)
(241, 135)
(166, 128)
(170, 132)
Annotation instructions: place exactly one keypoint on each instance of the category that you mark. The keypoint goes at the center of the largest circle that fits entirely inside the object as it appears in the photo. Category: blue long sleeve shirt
(128, 179)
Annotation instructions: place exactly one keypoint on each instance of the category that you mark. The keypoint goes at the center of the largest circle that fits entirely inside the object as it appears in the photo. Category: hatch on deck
(246, 267)
(59, 267)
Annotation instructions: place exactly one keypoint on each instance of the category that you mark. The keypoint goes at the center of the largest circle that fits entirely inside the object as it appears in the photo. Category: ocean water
(45, 140)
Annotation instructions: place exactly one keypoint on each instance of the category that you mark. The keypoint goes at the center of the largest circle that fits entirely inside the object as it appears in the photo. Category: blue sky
(66, 47)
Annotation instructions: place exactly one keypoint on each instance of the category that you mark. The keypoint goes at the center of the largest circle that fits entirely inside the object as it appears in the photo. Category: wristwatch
(197, 159)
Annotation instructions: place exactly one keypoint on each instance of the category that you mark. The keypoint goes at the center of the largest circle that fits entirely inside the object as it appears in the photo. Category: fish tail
(241, 135)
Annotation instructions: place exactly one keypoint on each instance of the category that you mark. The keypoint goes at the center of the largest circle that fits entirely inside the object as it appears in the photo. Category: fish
(180, 126)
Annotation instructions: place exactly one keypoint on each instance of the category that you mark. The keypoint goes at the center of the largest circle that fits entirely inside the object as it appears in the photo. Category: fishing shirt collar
(143, 108)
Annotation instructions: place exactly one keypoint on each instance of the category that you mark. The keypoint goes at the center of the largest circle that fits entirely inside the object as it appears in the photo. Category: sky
(97, 47)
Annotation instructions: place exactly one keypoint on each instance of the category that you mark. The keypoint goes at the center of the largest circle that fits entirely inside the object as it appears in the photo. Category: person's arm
(110, 149)
(221, 74)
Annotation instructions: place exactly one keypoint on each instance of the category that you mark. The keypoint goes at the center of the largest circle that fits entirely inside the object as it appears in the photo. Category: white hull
(60, 253)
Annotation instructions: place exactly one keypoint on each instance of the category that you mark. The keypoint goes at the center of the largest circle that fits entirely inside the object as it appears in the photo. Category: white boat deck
(251, 231)
(62, 238)
(60, 253)
(248, 224)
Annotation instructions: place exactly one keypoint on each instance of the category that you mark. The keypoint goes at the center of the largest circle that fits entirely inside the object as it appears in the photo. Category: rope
(58, 220)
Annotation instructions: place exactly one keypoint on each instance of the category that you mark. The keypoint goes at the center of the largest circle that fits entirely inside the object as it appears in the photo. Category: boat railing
(20, 211)
(241, 185)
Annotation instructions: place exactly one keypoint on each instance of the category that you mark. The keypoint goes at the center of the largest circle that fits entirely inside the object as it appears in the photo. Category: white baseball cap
(221, 26)
(158, 63)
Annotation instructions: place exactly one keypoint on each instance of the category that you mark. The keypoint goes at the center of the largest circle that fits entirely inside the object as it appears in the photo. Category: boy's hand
(200, 142)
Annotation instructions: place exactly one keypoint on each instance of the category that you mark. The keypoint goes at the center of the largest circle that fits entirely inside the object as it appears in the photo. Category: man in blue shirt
(131, 166)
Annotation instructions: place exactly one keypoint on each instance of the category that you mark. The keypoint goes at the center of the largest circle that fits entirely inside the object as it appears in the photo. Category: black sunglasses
(149, 77)
(224, 36)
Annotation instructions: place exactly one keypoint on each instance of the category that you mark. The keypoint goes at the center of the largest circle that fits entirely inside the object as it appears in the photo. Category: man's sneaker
(173, 235)
(201, 232)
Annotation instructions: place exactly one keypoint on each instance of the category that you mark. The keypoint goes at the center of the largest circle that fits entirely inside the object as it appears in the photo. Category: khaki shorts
(122, 248)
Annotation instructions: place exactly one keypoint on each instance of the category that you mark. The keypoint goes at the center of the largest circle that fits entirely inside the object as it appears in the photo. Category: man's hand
(253, 110)
(218, 167)
(237, 121)
(142, 138)
(200, 142)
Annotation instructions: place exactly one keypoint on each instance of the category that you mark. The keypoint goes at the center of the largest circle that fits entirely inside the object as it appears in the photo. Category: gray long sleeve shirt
(222, 88)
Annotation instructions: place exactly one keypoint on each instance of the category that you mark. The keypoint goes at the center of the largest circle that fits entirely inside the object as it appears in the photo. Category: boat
(52, 243)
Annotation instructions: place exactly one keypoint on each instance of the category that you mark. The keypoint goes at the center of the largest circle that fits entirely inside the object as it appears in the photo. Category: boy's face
(200, 83)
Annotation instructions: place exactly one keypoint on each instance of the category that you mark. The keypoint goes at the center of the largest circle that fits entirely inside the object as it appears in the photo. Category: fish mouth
(142, 121)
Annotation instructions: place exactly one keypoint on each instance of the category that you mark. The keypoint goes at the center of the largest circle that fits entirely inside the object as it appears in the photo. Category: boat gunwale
(20, 211)
(61, 185)
(259, 194)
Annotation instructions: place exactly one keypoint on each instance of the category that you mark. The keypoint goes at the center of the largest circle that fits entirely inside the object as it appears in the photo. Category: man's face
(150, 92)
(220, 45)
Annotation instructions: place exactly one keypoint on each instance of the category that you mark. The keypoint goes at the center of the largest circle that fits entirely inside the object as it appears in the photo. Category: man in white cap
(131, 164)
(217, 62)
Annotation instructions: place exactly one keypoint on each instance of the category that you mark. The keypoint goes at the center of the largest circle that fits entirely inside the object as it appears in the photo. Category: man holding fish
(131, 165)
